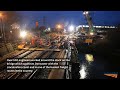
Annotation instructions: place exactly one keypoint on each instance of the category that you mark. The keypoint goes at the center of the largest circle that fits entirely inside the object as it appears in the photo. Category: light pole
(1, 24)
(2, 27)
(2, 31)
(59, 27)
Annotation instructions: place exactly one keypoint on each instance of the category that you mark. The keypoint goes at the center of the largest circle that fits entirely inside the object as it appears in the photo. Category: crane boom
(89, 20)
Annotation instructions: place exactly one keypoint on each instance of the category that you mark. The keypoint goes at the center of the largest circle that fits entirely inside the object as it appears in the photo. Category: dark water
(94, 67)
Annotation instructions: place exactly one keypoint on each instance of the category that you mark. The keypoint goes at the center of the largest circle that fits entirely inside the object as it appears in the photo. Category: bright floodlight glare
(23, 34)
(86, 12)
(59, 26)
(49, 29)
(71, 28)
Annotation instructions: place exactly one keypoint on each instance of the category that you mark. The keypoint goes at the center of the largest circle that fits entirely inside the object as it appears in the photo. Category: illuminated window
(102, 26)
(97, 26)
(113, 26)
(83, 25)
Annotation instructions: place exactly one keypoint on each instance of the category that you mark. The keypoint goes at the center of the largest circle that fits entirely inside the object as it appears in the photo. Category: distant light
(65, 30)
(86, 26)
(1, 15)
(71, 28)
(59, 26)
(105, 26)
(91, 33)
(23, 34)
(97, 26)
(48, 29)
(112, 26)
(85, 12)
(102, 26)
(83, 26)
(10, 31)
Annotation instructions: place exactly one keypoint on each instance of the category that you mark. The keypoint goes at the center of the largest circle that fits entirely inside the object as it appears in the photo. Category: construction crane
(91, 31)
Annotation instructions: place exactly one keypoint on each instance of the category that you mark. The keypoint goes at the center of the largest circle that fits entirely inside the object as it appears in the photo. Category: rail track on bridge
(26, 53)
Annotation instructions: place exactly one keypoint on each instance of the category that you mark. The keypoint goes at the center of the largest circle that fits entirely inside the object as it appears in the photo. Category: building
(85, 28)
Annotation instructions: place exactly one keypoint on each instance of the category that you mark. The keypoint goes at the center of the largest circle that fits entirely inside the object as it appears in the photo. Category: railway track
(21, 54)
(43, 73)
(3, 65)
(33, 55)
(44, 54)
(24, 54)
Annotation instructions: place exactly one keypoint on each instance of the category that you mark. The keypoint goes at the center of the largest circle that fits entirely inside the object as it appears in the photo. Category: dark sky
(69, 17)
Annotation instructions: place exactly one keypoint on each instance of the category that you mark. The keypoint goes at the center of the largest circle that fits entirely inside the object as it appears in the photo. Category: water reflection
(83, 72)
(89, 57)
(85, 66)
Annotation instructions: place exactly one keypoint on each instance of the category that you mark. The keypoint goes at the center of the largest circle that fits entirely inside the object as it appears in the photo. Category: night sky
(69, 17)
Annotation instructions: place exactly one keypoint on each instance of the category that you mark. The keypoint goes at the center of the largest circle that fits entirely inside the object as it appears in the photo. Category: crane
(91, 31)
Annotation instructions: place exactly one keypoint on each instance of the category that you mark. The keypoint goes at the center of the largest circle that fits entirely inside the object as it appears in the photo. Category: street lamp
(59, 26)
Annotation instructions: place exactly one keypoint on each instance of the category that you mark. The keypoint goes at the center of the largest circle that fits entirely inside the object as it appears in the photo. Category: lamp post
(2, 31)
(2, 28)
(1, 24)
(59, 28)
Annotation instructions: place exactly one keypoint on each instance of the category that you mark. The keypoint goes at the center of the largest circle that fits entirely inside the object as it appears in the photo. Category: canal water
(95, 67)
